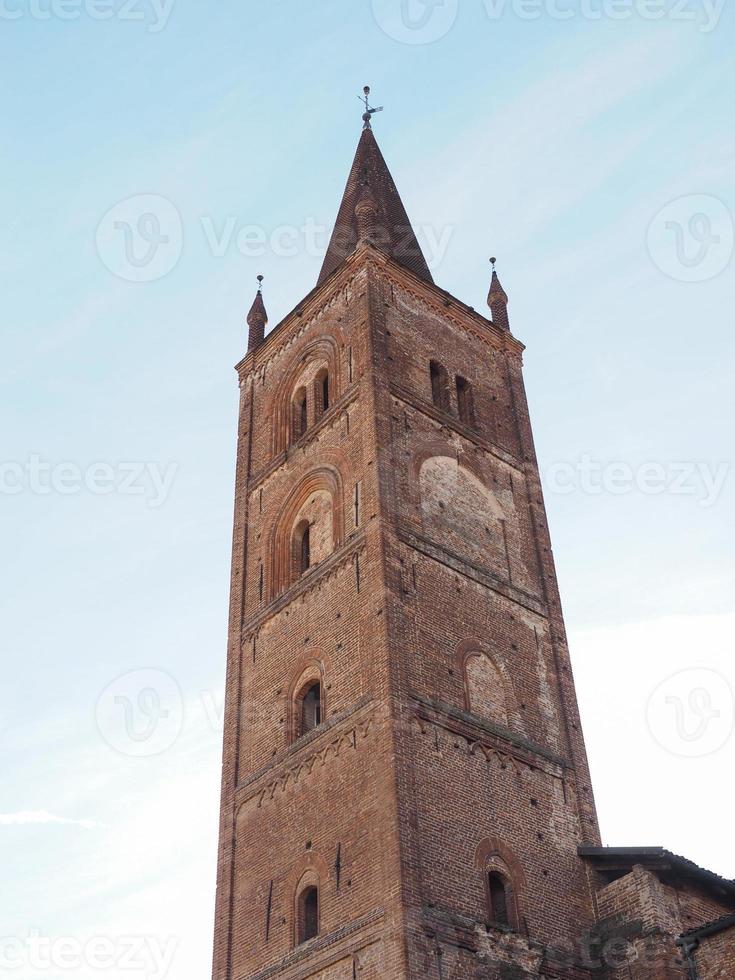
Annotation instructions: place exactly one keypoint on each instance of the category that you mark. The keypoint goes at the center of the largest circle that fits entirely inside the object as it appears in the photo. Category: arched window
(311, 708)
(461, 512)
(465, 401)
(503, 882)
(307, 926)
(484, 688)
(316, 358)
(298, 415)
(439, 385)
(321, 393)
(499, 898)
(306, 701)
(305, 549)
(308, 530)
(301, 549)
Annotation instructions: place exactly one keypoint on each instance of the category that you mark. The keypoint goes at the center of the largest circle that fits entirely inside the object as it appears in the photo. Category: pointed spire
(366, 214)
(497, 300)
(370, 188)
(257, 319)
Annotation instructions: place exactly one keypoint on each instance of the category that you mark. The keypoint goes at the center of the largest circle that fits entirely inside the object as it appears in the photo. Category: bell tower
(404, 783)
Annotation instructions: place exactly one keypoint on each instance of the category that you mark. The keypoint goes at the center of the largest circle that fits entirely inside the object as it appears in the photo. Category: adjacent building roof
(709, 928)
(616, 861)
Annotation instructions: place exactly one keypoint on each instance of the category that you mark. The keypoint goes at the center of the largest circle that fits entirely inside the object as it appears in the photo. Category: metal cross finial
(369, 111)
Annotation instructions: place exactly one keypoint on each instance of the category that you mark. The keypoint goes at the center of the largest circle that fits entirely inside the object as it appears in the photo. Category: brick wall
(640, 919)
(450, 742)
(715, 956)
(319, 807)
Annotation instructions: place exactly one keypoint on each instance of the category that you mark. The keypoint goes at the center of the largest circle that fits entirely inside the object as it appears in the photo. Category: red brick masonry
(439, 805)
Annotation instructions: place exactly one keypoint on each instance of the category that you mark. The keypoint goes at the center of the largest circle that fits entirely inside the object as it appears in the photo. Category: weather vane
(369, 112)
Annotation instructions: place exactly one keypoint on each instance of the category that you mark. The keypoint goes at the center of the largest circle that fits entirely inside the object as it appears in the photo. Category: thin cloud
(26, 817)
(548, 159)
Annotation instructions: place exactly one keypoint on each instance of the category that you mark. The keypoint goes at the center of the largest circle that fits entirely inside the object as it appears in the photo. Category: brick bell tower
(405, 783)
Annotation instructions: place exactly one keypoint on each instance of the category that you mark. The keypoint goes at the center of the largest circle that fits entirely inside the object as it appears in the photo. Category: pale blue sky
(553, 144)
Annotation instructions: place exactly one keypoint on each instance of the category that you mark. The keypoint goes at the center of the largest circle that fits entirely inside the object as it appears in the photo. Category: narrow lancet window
(311, 708)
(308, 912)
(439, 385)
(498, 898)
(465, 401)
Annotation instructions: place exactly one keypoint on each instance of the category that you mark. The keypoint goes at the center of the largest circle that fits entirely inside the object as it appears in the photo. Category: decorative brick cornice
(458, 564)
(330, 418)
(492, 741)
(298, 322)
(344, 731)
(350, 939)
(452, 422)
(444, 304)
(313, 580)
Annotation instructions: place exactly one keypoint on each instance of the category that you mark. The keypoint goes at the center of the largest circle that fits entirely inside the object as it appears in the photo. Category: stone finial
(257, 319)
(497, 300)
